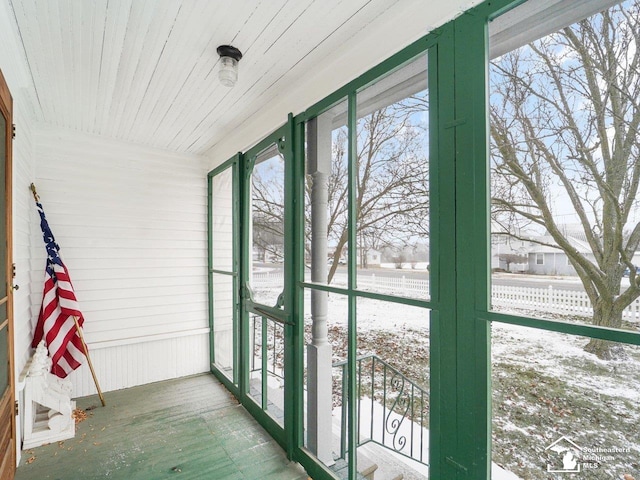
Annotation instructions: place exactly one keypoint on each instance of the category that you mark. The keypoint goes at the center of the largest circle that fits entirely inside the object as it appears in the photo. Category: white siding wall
(23, 233)
(131, 224)
(23, 175)
(24, 224)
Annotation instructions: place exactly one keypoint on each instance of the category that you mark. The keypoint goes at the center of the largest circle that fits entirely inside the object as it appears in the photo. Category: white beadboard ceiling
(145, 71)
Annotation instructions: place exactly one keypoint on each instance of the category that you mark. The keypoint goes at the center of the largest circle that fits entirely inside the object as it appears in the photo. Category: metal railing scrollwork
(392, 410)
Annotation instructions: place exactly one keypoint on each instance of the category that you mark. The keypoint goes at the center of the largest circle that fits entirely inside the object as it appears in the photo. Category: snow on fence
(545, 299)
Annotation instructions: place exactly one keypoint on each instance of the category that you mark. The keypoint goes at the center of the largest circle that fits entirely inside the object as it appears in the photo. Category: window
(380, 294)
(563, 123)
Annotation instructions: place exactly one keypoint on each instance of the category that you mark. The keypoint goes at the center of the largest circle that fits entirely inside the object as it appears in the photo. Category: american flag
(59, 307)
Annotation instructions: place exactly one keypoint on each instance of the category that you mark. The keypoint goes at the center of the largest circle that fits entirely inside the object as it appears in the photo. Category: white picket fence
(552, 300)
(394, 284)
(380, 283)
(546, 299)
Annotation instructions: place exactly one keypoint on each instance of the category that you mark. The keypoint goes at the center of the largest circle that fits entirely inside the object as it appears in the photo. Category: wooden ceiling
(145, 71)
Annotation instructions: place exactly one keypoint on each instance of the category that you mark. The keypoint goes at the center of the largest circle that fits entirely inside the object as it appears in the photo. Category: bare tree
(392, 197)
(564, 115)
(392, 201)
(509, 258)
(267, 208)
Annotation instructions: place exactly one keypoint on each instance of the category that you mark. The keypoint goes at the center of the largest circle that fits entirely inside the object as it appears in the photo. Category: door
(266, 288)
(7, 416)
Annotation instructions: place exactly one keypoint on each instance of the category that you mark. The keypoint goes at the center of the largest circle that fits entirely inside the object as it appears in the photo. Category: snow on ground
(373, 314)
(546, 386)
(546, 279)
(558, 354)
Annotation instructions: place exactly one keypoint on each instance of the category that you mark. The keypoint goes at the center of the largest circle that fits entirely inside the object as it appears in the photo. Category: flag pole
(86, 354)
(78, 329)
(35, 194)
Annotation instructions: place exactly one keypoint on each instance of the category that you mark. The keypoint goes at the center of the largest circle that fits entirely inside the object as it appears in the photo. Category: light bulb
(228, 73)
(229, 58)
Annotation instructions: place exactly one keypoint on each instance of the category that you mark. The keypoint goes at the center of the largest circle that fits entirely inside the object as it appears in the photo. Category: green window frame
(233, 166)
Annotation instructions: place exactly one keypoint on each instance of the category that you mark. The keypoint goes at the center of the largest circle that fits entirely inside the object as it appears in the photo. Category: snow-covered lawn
(545, 386)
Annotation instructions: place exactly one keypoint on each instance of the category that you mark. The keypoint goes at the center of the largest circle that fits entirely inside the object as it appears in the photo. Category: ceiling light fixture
(229, 58)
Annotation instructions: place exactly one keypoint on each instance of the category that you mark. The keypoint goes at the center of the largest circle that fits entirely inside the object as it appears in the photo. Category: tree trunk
(605, 315)
(604, 349)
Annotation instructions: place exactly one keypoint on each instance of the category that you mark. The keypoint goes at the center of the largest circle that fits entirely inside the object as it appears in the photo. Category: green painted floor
(181, 429)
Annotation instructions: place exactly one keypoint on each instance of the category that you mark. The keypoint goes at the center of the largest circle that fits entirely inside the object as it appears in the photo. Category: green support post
(473, 355)
(297, 299)
(352, 342)
(290, 285)
(212, 354)
(443, 395)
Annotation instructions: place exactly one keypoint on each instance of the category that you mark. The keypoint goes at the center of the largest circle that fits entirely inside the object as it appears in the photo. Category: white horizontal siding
(23, 175)
(23, 235)
(131, 223)
(142, 361)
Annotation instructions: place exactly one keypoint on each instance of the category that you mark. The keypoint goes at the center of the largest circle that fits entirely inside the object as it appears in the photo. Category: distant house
(508, 253)
(369, 257)
(547, 260)
(551, 260)
(538, 259)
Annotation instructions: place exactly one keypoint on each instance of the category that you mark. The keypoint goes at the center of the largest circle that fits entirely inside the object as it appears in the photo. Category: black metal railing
(392, 410)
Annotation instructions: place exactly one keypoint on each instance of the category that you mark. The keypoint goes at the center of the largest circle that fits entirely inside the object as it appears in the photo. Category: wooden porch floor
(181, 429)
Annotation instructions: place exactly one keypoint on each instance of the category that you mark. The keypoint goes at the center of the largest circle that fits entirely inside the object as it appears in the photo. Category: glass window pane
(267, 227)
(326, 234)
(565, 217)
(393, 388)
(222, 220)
(392, 200)
(224, 323)
(558, 410)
